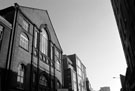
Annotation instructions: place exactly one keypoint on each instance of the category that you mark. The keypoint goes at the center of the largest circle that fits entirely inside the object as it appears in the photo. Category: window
(57, 59)
(34, 77)
(79, 83)
(74, 76)
(44, 42)
(74, 81)
(79, 71)
(52, 63)
(74, 85)
(24, 41)
(83, 76)
(1, 33)
(20, 75)
(43, 80)
(52, 51)
(78, 62)
(25, 25)
(57, 65)
(35, 39)
(57, 53)
(58, 84)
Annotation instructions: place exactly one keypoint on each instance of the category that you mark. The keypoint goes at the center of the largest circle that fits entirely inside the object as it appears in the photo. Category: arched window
(34, 77)
(20, 75)
(24, 42)
(58, 84)
(44, 41)
(43, 80)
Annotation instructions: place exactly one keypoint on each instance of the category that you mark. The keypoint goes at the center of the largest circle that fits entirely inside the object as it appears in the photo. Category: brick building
(5, 31)
(124, 11)
(78, 71)
(30, 53)
(69, 74)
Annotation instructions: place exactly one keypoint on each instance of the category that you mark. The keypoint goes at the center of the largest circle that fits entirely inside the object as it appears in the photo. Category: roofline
(30, 7)
(36, 26)
(53, 30)
(78, 58)
(3, 20)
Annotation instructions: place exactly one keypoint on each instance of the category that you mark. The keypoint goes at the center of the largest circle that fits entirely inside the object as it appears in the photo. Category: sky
(88, 29)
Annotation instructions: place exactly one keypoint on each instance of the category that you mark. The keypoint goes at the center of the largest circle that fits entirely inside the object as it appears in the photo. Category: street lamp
(116, 77)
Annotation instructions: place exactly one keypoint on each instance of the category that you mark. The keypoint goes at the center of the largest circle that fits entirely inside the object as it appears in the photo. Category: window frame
(44, 44)
(57, 55)
(1, 31)
(25, 25)
(1, 34)
(42, 81)
(52, 52)
(21, 75)
(34, 77)
(35, 38)
(79, 64)
(24, 41)
(79, 71)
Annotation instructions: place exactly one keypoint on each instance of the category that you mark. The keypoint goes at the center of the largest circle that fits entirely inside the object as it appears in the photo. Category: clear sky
(87, 28)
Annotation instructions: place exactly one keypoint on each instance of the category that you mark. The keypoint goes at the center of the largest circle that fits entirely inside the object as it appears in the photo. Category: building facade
(30, 53)
(104, 89)
(122, 79)
(5, 31)
(88, 85)
(124, 11)
(80, 71)
(69, 74)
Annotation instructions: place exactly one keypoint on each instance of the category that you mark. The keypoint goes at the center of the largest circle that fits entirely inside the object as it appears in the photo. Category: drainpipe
(54, 70)
(31, 66)
(10, 47)
(50, 61)
(38, 59)
(11, 41)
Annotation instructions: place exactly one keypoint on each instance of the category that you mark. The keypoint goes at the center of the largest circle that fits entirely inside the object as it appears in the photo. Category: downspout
(31, 66)
(37, 84)
(49, 56)
(38, 48)
(62, 70)
(50, 61)
(11, 41)
(54, 68)
(10, 47)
